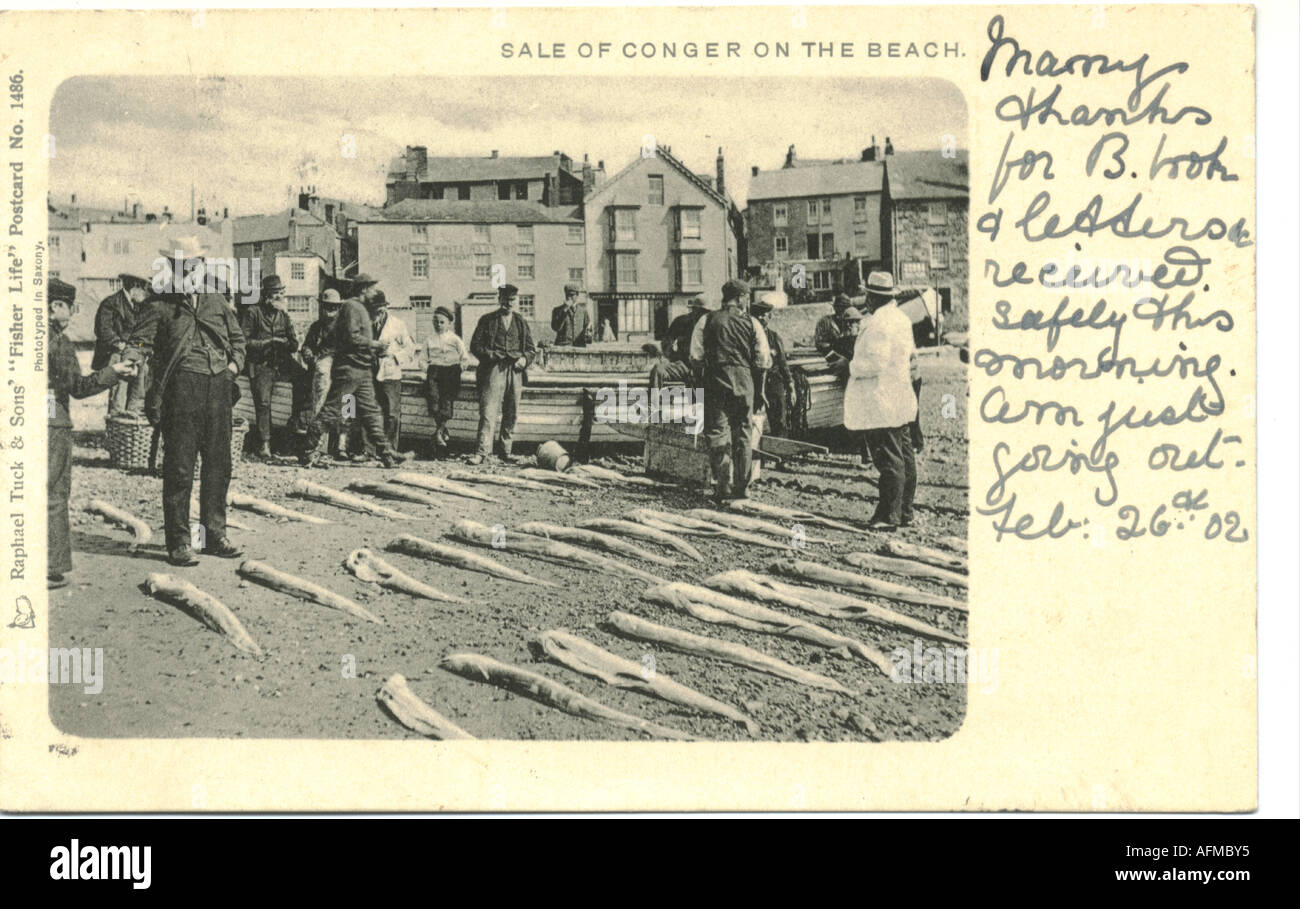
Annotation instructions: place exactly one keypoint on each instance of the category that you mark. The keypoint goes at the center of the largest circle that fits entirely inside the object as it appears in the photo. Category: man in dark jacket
(778, 387)
(676, 364)
(66, 381)
(570, 320)
(115, 320)
(271, 342)
(503, 345)
(730, 347)
(197, 350)
(352, 387)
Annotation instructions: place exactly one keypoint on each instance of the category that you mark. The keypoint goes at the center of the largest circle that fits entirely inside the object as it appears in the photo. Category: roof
(70, 216)
(469, 211)
(298, 254)
(817, 180)
(928, 175)
(478, 169)
(664, 154)
(259, 228)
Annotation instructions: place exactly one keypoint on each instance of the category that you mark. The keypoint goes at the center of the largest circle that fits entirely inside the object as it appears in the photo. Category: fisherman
(116, 318)
(446, 356)
(778, 387)
(197, 350)
(676, 366)
(570, 320)
(271, 342)
(833, 326)
(67, 381)
(730, 347)
(317, 354)
(398, 353)
(503, 345)
(352, 378)
(880, 401)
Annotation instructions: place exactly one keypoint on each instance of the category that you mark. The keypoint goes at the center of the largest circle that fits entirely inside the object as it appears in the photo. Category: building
(428, 253)
(343, 216)
(927, 203)
(808, 219)
(659, 234)
(91, 247)
(551, 181)
(261, 237)
(300, 270)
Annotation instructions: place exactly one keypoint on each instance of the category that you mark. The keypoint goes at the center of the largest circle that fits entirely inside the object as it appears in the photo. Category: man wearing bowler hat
(115, 320)
(880, 402)
(271, 342)
(730, 348)
(197, 349)
(503, 345)
(570, 320)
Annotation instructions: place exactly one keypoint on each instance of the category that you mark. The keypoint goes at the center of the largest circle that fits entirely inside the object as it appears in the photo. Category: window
(257, 249)
(578, 276)
(122, 247)
(814, 211)
(828, 245)
(521, 190)
(936, 213)
(419, 265)
(814, 244)
(859, 243)
(625, 269)
(525, 234)
(938, 255)
(859, 208)
(913, 272)
(826, 211)
(625, 225)
(782, 244)
(114, 285)
(299, 304)
(526, 266)
(463, 193)
(482, 265)
(421, 302)
(688, 223)
(503, 192)
(297, 271)
(780, 214)
(576, 234)
(482, 233)
(821, 280)
(54, 241)
(420, 230)
(527, 306)
(656, 195)
(690, 270)
(436, 193)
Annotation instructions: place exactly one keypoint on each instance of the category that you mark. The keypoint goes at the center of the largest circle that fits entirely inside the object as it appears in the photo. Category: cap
(62, 292)
(881, 283)
(852, 314)
(734, 289)
(697, 302)
(271, 285)
(572, 289)
(331, 298)
(505, 291)
(363, 280)
(129, 281)
(444, 311)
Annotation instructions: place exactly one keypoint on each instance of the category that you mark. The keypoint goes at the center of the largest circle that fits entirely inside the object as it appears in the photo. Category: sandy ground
(166, 675)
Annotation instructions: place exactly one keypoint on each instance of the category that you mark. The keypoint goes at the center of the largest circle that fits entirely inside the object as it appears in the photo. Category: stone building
(927, 203)
(428, 253)
(262, 237)
(552, 181)
(659, 234)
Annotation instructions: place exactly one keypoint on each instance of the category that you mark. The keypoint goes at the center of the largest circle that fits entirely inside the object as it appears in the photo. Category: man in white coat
(880, 402)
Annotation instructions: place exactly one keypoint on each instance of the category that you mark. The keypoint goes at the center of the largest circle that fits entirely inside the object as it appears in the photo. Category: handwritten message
(1120, 234)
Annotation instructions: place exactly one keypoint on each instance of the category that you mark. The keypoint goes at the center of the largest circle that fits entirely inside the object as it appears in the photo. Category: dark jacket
(354, 338)
(677, 340)
(67, 380)
(319, 341)
(115, 319)
(496, 339)
(731, 353)
(170, 330)
(780, 366)
(262, 328)
(571, 330)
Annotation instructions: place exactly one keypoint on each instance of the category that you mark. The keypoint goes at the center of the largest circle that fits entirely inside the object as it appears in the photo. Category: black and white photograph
(565, 408)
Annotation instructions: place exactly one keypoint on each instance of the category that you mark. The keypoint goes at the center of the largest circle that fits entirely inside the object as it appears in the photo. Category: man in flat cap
(778, 384)
(66, 381)
(317, 352)
(115, 320)
(197, 349)
(832, 327)
(729, 347)
(503, 345)
(880, 402)
(272, 342)
(352, 382)
(570, 320)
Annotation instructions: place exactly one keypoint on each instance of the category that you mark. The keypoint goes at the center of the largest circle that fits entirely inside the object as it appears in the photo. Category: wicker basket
(128, 437)
(238, 429)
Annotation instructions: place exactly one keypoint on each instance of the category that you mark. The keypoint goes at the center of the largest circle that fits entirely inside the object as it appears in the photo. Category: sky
(247, 144)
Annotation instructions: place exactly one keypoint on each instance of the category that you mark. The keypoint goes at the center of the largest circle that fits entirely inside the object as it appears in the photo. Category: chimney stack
(753, 171)
(167, 215)
(588, 175)
(790, 157)
(889, 146)
(494, 152)
(721, 183)
(135, 211)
